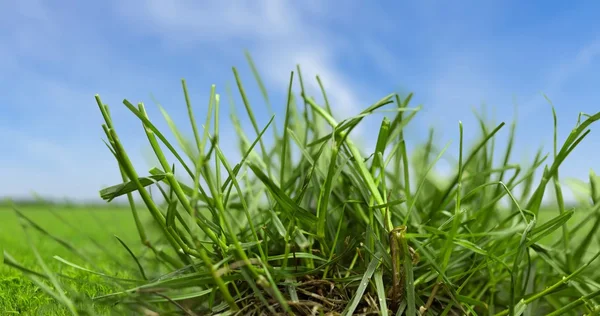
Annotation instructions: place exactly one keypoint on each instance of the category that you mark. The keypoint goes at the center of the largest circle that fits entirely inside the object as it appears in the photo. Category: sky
(454, 56)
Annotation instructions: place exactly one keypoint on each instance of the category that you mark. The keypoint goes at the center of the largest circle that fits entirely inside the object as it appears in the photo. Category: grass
(308, 223)
(86, 227)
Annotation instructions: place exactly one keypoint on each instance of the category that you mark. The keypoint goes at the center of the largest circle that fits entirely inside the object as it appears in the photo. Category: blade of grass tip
(427, 152)
(261, 85)
(106, 114)
(574, 138)
(149, 125)
(285, 140)
(505, 161)
(216, 144)
(211, 102)
(382, 140)
(183, 142)
(190, 113)
(400, 122)
(560, 199)
(59, 292)
(104, 111)
(311, 125)
(535, 200)
(202, 158)
(447, 251)
(364, 283)
(297, 125)
(325, 99)
(138, 223)
(243, 142)
(467, 161)
(404, 153)
(137, 262)
(486, 158)
(252, 119)
(528, 180)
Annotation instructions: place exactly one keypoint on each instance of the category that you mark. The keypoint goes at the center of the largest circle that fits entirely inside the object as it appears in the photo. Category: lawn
(83, 228)
(86, 227)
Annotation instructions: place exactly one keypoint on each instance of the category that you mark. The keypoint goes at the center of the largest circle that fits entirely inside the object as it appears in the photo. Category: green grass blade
(58, 292)
(364, 283)
(378, 276)
(133, 256)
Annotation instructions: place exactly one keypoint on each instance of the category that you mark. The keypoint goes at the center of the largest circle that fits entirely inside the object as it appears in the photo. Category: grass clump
(307, 223)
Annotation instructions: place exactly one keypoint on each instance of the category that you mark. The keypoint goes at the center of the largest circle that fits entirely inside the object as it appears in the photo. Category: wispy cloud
(279, 34)
(560, 75)
(54, 58)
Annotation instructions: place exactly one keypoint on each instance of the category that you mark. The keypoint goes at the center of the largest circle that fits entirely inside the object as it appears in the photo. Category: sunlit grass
(309, 223)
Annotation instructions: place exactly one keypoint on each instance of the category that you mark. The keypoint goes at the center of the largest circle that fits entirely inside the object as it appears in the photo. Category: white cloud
(207, 21)
(278, 35)
(584, 57)
(561, 75)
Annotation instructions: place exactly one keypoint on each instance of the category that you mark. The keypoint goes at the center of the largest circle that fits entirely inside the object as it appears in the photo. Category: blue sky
(55, 55)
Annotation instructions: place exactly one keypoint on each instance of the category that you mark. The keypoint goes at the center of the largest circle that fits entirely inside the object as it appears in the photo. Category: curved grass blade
(137, 262)
(78, 267)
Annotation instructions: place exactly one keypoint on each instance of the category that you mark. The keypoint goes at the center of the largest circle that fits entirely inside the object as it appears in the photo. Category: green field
(86, 228)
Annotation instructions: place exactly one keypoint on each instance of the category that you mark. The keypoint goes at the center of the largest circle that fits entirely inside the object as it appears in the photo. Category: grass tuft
(309, 223)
